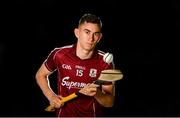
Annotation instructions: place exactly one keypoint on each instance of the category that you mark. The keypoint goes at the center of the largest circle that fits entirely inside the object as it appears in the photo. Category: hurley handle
(51, 108)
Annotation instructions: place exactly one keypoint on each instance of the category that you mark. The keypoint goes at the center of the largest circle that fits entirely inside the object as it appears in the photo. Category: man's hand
(89, 89)
(56, 101)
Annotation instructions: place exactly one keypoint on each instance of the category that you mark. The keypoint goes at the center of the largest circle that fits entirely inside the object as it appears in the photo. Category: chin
(89, 48)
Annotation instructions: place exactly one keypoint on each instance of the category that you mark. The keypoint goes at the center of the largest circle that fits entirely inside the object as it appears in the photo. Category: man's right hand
(56, 101)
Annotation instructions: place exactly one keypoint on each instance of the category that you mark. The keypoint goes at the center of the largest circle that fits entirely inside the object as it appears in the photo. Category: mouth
(91, 44)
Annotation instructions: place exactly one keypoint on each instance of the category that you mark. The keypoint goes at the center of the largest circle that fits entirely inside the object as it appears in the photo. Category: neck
(83, 54)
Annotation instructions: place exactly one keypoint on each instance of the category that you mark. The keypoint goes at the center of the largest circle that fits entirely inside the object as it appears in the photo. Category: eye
(87, 32)
(97, 34)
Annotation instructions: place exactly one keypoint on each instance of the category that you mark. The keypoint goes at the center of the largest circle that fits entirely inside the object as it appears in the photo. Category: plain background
(142, 35)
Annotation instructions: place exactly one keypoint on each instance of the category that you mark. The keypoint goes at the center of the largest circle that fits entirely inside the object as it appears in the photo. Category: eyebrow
(90, 31)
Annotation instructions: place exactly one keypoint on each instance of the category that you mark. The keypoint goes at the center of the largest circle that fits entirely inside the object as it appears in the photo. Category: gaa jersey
(73, 74)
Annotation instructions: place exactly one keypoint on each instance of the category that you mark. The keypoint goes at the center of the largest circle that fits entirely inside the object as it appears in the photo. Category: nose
(91, 37)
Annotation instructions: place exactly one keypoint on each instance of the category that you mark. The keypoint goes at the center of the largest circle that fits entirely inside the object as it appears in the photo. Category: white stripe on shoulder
(60, 48)
(68, 46)
(101, 53)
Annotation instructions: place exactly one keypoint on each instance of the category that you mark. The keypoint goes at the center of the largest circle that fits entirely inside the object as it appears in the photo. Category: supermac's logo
(72, 84)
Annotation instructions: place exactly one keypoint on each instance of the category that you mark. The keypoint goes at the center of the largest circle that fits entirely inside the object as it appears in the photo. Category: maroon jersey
(73, 74)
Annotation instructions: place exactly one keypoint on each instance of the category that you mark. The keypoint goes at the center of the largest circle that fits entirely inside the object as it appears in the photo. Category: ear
(76, 32)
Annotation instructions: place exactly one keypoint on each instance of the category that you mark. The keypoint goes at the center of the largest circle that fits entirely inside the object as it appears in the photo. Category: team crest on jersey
(93, 72)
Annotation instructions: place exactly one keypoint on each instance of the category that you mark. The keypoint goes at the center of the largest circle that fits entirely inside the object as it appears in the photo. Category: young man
(78, 66)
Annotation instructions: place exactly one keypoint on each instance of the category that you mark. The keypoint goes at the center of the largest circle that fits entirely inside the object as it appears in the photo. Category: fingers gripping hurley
(109, 75)
(51, 108)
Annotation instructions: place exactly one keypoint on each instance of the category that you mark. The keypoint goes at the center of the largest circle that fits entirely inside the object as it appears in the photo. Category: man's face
(88, 35)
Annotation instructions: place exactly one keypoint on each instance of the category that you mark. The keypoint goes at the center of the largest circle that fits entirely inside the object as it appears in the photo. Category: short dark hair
(90, 18)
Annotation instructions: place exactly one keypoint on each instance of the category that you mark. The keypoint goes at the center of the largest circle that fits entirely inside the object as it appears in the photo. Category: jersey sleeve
(50, 61)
